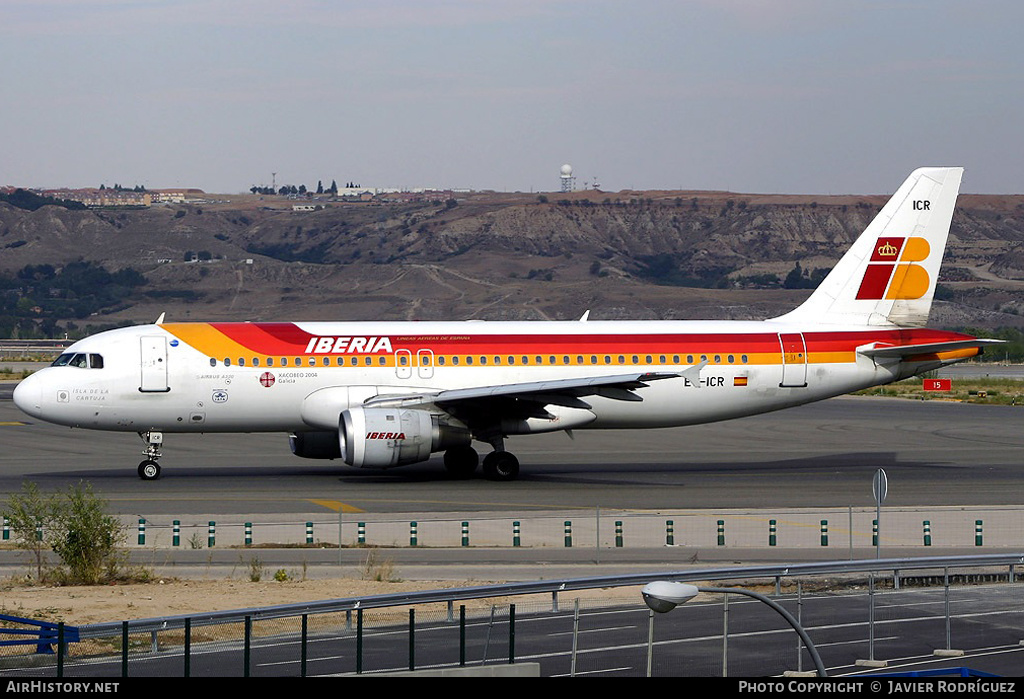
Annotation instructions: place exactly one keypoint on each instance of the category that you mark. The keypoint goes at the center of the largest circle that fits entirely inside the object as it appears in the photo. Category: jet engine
(386, 437)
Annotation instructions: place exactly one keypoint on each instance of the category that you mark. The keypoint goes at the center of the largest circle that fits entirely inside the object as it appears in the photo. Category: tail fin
(888, 276)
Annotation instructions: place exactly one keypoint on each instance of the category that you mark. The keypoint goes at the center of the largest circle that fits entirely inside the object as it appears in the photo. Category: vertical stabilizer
(888, 276)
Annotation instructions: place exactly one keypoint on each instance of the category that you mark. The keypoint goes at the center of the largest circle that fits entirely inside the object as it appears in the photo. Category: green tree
(31, 512)
(86, 538)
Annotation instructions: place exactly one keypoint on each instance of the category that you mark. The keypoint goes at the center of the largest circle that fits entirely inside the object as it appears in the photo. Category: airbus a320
(386, 394)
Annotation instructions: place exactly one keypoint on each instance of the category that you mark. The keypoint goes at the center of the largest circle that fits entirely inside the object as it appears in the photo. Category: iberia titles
(348, 345)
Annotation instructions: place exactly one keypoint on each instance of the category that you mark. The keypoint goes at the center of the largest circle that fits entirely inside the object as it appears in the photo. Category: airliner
(386, 394)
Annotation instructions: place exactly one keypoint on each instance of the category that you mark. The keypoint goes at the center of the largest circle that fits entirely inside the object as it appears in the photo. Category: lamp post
(663, 596)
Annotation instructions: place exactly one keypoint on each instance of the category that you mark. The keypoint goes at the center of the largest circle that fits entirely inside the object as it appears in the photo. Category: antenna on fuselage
(160, 320)
(585, 316)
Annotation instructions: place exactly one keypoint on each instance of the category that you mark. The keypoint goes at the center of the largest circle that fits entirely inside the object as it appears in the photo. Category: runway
(822, 455)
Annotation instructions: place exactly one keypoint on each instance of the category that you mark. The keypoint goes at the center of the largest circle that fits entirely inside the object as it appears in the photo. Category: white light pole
(663, 596)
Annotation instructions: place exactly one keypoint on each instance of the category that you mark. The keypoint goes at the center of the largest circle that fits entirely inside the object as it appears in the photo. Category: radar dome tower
(568, 181)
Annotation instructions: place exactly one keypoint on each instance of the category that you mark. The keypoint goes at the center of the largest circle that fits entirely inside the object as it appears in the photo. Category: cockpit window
(62, 360)
(80, 360)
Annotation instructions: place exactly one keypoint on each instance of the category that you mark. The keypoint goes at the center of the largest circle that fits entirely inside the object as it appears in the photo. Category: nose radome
(28, 396)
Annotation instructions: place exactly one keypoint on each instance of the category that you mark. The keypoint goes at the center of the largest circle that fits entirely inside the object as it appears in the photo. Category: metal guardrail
(556, 586)
(45, 634)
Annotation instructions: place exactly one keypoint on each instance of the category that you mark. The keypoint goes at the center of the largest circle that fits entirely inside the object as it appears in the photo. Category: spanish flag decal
(739, 381)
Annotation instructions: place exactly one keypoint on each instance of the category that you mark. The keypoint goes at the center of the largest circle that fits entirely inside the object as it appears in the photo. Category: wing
(565, 392)
(489, 405)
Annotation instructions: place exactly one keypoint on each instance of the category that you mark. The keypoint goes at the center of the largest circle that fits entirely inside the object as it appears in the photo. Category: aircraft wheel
(149, 470)
(501, 466)
(461, 462)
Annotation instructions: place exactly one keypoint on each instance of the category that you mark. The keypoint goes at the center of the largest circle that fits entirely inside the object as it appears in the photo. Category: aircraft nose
(28, 395)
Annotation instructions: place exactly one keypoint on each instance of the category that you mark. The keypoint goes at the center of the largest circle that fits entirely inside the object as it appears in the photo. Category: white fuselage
(205, 378)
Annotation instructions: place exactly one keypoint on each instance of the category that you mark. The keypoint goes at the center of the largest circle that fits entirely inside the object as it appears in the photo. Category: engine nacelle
(386, 437)
(315, 445)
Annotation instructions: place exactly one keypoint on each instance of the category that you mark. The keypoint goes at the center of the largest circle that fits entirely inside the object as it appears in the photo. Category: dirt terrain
(90, 605)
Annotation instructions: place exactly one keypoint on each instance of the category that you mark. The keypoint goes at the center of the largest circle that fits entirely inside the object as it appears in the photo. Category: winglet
(691, 376)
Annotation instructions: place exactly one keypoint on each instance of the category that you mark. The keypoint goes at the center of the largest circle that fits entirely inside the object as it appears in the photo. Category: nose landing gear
(149, 469)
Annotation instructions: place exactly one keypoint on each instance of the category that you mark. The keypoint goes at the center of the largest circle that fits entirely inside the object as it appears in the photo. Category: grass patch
(986, 391)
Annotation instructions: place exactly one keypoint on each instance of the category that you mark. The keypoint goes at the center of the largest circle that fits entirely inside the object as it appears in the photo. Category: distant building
(173, 196)
(101, 197)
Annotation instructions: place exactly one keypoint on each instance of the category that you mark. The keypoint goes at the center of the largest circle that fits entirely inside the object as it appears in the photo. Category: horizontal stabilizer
(880, 350)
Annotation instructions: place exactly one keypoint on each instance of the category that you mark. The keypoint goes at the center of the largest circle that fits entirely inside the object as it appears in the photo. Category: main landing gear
(149, 469)
(499, 465)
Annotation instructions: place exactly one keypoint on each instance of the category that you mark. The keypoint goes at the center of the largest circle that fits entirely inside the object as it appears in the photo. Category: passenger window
(455, 361)
(440, 361)
(312, 361)
(636, 360)
(647, 359)
(579, 359)
(661, 359)
(382, 361)
(483, 360)
(270, 361)
(284, 361)
(689, 359)
(743, 359)
(368, 361)
(607, 359)
(511, 360)
(469, 360)
(732, 359)
(241, 361)
(327, 361)
(675, 358)
(718, 359)
(255, 361)
(213, 362)
(565, 360)
(227, 361)
(403, 360)
(96, 361)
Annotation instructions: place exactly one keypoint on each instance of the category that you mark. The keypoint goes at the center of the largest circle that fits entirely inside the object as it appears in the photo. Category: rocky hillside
(501, 256)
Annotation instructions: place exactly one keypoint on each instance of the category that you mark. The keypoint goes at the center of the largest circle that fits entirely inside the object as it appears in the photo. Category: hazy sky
(802, 96)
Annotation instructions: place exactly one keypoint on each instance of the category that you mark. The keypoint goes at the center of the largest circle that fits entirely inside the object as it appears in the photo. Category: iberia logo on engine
(385, 435)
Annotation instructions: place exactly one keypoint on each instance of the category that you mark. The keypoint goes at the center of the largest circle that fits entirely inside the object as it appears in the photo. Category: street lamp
(663, 596)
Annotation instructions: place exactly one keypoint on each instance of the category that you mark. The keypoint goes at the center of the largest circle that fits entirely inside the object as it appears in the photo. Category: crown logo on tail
(887, 250)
